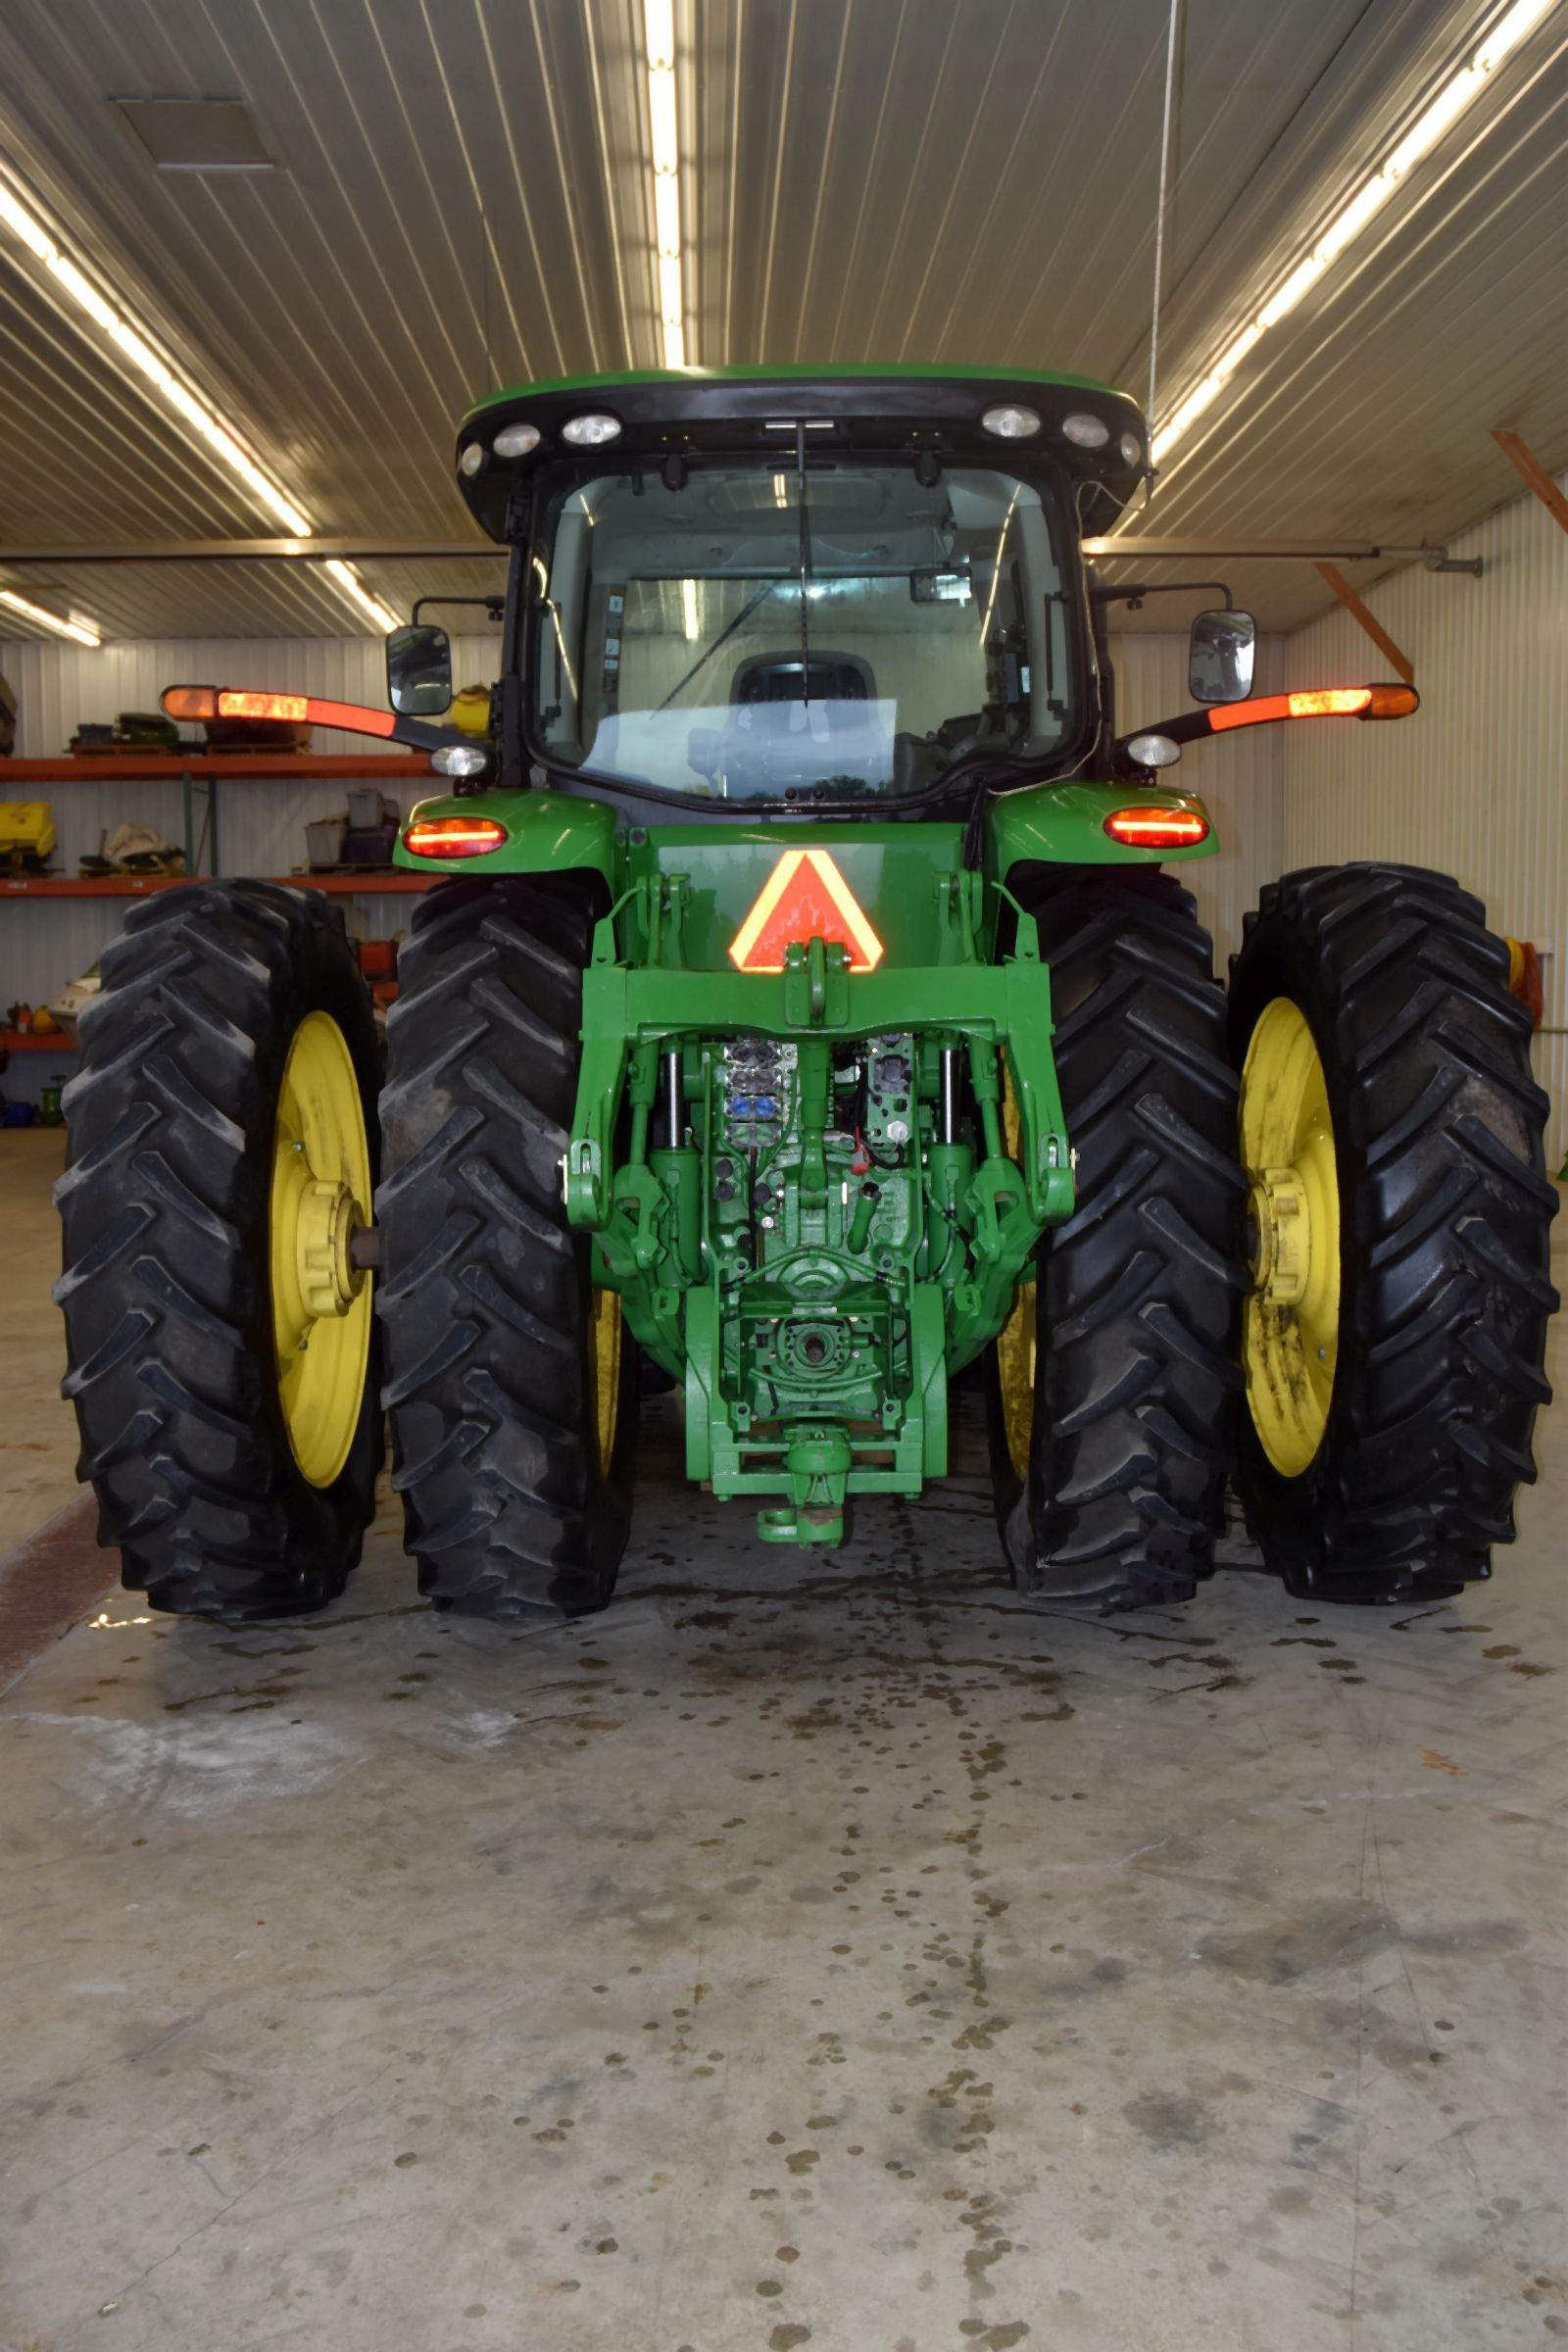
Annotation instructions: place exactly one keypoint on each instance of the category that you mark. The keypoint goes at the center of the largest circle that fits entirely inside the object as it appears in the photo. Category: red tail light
(1157, 826)
(453, 836)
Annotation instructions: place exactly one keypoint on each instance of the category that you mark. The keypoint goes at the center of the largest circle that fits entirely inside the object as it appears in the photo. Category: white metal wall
(45, 942)
(1477, 784)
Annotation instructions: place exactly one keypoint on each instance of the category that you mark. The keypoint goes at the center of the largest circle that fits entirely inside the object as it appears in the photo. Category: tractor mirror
(418, 671)
(1219, 664)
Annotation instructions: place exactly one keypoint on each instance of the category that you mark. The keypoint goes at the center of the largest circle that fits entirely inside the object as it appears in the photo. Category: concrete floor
(827, 1955)
(38, 1459)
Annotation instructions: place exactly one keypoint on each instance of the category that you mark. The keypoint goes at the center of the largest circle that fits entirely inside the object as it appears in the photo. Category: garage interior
(815, 1948)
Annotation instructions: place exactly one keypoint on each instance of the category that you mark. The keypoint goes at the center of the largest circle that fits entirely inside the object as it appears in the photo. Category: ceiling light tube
(1441, 113)
(78, 630)
(663, 125)
(137, 346)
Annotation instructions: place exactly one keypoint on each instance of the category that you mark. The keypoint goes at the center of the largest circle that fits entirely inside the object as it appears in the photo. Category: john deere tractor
(806, 1009)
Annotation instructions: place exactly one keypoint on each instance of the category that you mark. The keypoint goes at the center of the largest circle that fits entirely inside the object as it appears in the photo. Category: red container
(378, 958)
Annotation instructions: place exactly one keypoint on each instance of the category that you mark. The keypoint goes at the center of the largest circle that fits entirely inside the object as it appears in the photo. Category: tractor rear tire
(1137, 1299)
(1436, 1351)
(511, 1392)
(166, 1288)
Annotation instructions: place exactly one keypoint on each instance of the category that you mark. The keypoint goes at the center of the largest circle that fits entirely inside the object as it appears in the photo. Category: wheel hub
(1280, 1229)
(327, 1218)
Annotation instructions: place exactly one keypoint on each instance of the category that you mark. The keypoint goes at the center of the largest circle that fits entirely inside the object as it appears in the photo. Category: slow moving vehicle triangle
(804, 898)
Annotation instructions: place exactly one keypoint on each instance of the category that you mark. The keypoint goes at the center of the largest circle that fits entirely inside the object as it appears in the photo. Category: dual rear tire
(1346, 1316)
(229, 1372)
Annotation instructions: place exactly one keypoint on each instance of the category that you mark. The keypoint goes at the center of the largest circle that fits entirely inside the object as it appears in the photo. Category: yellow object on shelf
(27, 832)
(470, 709)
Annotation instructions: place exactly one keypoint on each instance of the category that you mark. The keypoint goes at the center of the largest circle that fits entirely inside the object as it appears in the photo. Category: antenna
(1167, 138)
(490, 384)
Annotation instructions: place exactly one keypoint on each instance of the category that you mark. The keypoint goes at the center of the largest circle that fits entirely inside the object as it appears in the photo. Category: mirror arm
(420, 735)
(1379, 702)
(494, 605)
(1136, 590)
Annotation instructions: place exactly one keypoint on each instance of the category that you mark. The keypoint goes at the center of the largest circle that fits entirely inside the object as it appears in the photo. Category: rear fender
(547, 833)
(1064, 824)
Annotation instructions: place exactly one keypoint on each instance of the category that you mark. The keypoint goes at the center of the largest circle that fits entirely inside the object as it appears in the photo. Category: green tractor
(804, 1014)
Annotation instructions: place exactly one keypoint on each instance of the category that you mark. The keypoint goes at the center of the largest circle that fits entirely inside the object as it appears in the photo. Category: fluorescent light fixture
(688, 611)
(663, 123)
(79, 632)
(1441, 113)
(137, 347)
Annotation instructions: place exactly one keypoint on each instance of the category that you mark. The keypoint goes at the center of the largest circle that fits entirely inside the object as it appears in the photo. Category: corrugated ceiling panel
(1474, 784)
(463, 198)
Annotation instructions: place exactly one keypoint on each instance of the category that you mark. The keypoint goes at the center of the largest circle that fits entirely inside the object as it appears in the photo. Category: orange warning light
(804, 898)
(242, 702)
(189, 702)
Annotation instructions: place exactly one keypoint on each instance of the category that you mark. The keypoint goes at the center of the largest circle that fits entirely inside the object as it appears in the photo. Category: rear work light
(453, 836)
(1157, 826)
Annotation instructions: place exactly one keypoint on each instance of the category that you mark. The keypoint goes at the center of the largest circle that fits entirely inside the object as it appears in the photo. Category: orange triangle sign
(804, 898)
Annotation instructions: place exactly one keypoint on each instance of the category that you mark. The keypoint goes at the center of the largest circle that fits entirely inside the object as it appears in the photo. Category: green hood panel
(893, 872)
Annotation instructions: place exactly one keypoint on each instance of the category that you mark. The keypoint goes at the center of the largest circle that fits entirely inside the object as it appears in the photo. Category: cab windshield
(740, 635)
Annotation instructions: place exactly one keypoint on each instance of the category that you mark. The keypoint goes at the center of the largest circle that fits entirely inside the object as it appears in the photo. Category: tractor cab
(786, 592)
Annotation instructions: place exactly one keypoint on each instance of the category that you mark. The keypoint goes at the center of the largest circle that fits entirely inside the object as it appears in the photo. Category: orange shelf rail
(141, 886)
(152, 767)
(23, 1041)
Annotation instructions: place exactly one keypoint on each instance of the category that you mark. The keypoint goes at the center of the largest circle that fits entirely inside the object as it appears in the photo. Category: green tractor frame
(806, 1015)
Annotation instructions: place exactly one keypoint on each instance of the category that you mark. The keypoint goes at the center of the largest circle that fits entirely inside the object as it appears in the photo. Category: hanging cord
(1165, 141)
(806, 563)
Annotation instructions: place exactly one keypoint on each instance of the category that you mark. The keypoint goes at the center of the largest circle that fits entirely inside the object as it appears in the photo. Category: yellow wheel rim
(320, 1195)
(1017, 1341)
(1291, 1327)
(605, 1342)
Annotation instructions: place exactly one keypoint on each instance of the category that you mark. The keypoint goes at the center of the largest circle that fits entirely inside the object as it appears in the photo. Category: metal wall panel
(1474, 785)
(45, 942)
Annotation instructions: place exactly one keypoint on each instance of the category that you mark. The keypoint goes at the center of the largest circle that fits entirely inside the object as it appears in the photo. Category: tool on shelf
(132, 847)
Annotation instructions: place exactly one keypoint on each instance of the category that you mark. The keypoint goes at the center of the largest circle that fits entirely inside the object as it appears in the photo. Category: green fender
(1064, 824)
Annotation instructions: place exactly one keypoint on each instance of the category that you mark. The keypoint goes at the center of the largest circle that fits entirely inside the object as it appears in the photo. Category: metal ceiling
(461, 200)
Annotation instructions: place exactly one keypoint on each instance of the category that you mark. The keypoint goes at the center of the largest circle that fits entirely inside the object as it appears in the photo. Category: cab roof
(884, 410)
